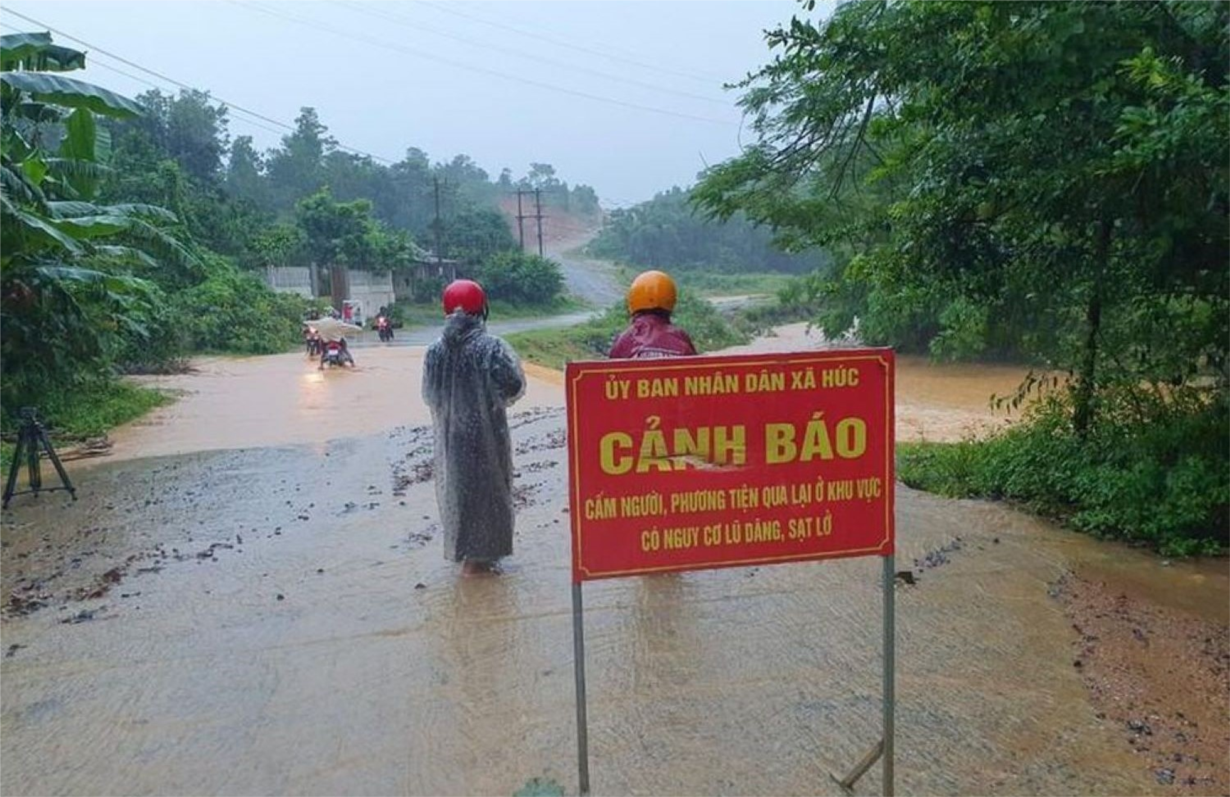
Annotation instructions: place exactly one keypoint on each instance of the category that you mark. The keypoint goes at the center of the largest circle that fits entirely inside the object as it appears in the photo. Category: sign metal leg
(883, 749)
(890, 668)
(578, 654)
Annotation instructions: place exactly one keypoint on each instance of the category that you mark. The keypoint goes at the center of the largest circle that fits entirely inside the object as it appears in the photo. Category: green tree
(335, 234)
(69, 297)
(474, 234)
(277, 246)
(245, 173)
(666, 232)
(189, 128)
(296, 170)
(1051, 178)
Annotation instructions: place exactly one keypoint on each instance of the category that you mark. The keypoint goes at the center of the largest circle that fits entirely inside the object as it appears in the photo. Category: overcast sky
(625, 96)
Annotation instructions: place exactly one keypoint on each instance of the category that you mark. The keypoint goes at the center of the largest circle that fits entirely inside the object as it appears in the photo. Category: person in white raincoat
(469, 380)
(330, 329)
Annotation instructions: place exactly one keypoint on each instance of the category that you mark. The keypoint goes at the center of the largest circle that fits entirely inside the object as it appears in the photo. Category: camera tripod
(32, 442)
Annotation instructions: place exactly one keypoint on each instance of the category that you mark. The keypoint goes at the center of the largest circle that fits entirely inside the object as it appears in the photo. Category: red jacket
(651, 335)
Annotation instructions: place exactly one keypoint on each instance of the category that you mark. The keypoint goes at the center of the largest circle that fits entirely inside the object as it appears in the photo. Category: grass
(414, 314)
(87, 411)
(705, 284)
(553, 348)
(709, 283)
(1161, 482)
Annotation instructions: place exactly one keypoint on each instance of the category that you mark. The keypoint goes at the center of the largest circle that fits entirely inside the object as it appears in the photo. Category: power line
(159, 75)
(472, 68)
(561, 43)
(399, 19)
(173, 81)
(180, 84)
(156, 86)
(153, 85)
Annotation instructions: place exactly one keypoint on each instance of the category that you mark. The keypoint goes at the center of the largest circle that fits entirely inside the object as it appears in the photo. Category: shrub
(1155, 473)
(518, 278)
(233, 311)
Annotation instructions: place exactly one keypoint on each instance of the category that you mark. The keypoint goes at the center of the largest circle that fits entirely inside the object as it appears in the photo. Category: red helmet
(465, 295)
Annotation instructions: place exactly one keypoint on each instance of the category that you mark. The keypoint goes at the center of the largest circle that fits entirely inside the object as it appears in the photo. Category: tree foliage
(227, 193)
(1048, 179)
(667, 232)
(522, 278)
(72, 291)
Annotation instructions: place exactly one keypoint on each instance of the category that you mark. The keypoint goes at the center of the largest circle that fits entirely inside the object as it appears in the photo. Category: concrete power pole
(437, 225)
(520, 221)
(538, 216)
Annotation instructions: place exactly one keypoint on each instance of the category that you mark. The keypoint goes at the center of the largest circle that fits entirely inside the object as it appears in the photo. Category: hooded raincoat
(469, 379)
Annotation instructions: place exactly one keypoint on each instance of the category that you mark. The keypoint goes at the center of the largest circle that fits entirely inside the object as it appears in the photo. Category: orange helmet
(651, 290)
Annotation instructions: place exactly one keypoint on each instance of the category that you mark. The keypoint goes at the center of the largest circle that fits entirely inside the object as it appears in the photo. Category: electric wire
(447, 9)
(472, 68)
(400, 20)
(173, 81)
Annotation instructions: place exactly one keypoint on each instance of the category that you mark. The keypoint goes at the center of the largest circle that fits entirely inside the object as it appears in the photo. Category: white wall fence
(370, 289)
(290, 279)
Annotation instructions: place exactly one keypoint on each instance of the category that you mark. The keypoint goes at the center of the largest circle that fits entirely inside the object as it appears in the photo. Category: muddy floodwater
(248, 402)
(249, 597)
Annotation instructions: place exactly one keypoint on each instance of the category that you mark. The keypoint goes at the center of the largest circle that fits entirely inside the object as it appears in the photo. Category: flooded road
(250, 598)
(246, 402)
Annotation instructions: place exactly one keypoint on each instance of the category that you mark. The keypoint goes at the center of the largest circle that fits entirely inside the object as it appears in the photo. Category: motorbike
(336, 353)
(312, 341)
(384, 328)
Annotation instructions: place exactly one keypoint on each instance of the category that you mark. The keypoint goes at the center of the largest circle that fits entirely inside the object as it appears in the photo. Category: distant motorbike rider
(311, 339)
(333, 346)
(343, 357)
(650, 334)
(470, 377)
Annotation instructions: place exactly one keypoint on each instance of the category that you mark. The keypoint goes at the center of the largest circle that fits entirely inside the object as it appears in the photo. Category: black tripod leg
(14, 466)
(55, 460)
(35, 467)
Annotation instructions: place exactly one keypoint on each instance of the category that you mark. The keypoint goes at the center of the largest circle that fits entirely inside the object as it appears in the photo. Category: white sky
(455, 77)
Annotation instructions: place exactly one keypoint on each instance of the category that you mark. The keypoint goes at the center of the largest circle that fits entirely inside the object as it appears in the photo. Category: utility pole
(520, 221)
(538, 216)
(439, 252)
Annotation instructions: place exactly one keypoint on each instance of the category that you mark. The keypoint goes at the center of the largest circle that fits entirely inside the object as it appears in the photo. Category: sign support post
(578, 657)
(890, 668)
(884, 747)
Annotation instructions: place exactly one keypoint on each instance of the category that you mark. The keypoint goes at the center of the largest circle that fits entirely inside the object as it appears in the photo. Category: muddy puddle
(279, 619)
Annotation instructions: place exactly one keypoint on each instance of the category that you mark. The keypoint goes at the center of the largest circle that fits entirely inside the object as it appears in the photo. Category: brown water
(285, 399)
(381, 672)
(246, 402)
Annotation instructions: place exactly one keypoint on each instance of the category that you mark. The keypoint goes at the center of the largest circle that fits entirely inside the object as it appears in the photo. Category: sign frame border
(881, 355)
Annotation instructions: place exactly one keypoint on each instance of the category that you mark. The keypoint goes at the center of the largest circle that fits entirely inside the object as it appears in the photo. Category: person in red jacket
(651, 300)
